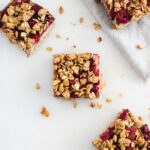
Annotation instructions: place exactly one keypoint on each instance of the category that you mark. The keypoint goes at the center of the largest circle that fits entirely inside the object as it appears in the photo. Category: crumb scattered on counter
(97, 26)
(99, 39)
(49, 48)
(58, 36)
(67, 38)
(120, 95)
(140, 118)
(61, 10)
(75, 104)
(38, 86)
(108, 100)
(140, 46)
(74, 46)
(96, 105)
(45, 112)
(81, 20)
(149, 108)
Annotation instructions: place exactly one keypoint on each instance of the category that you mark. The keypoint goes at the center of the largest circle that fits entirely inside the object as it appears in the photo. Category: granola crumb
(97, 26)
(81, 20)
(75, 104)
(96, 105)
(49, 48)
(58, 36)
(99, 39)
(44, 112)
(74, 46)
(61, 10)
(38, 86)
(120, 94)
(67, 38)
(108, 100)
(140, 46)
(140, 118)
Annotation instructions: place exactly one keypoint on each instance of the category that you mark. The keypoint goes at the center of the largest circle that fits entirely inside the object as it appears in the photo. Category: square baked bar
(126, 133)
(76, 76)
(122, 12)
(25, 23)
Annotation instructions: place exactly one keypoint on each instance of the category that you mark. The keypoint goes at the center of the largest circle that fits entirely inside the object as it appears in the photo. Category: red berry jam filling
(121, 17)
(132, 133)
(127, 132)
(124, 114)
(76, 76)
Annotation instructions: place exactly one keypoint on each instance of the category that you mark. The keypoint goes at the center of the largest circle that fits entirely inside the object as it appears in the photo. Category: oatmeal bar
(76, 75)
(25, 23)
(124, 11)
(126, 133)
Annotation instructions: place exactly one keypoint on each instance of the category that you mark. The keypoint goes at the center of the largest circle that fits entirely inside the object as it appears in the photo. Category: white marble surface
(21, 125)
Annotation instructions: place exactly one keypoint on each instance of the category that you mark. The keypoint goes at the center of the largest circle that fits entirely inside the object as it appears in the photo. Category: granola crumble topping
(76, 76)
(126, 133)
(44, 112)
(24, 22)
(123, 12)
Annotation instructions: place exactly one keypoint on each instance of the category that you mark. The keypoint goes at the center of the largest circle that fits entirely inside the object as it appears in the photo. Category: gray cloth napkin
(128, 38)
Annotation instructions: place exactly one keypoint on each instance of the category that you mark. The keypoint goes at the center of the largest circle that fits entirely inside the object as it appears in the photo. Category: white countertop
(22, 127)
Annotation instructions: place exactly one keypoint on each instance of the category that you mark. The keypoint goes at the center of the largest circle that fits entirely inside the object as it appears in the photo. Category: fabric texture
(128, 38)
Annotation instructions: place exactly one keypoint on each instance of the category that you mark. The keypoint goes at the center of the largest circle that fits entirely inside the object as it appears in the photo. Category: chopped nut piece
(108, 100)
(140, 46)
(45, 112)
(126, 133)
(75, 104)
(38, 86)
(71, 72)
(96, 105)
(49, 48)
(81, 20)
(58, 36)
(97, 26)
(61, 10)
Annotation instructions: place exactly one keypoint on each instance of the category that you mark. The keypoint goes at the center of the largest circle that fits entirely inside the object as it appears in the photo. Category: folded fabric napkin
(128, 38)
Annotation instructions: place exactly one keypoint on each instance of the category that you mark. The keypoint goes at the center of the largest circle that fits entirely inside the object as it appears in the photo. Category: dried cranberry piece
(95, 88)
(72, 95)
(107, 135)
(50, 20)
(148, 2)
(1, 24)
(36, 37)
(132, 135)
(95, 69)
(96, 58)
(32, 23)
(145, 129)
(124, 114)
(122, 16)
(71, 82)
(129, 148)
(36, 7)
(147, 137)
